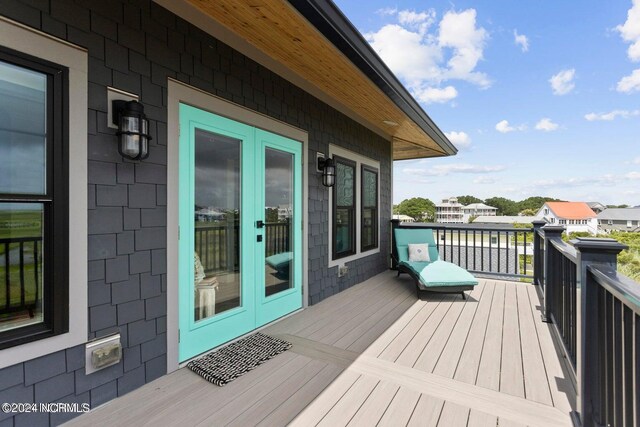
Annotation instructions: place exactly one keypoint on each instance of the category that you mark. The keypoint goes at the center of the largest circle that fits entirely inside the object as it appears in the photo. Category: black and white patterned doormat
(225, 365)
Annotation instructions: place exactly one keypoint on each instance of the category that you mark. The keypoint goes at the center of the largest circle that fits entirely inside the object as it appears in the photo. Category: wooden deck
(375, 355)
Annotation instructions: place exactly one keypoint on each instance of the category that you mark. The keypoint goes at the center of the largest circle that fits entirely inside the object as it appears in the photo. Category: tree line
(423, 209)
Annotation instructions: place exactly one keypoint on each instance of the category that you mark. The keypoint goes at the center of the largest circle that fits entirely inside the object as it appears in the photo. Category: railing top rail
(622, 287)
(21, 239)
(565, 249)
(462, 227)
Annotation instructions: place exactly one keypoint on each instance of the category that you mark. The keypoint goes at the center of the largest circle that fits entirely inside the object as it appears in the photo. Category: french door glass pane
(217, 218)
(21, 242)
(23, 118)
(278, 208)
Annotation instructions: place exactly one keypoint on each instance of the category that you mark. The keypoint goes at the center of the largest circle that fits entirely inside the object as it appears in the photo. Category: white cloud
(611, 115)
(562, 83)
(425, 58)
(459, 32)
(420, 20)
(633, 175)
(459, 139)
(630, 83)
(630, 31)
(606, 180)
(429, 95)
(484, 180)
(546, 125)
(636, 161)
(441, 170)
(521, 40)
(387, 11)
(503, 126)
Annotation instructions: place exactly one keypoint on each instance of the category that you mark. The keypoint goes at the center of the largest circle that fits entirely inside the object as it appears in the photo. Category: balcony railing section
(560, 293)
(595, 313)
(483, 249)
(20, 261)
(218, 245)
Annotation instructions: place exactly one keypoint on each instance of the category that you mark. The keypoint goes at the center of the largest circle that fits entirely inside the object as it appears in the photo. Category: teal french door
(240, 219)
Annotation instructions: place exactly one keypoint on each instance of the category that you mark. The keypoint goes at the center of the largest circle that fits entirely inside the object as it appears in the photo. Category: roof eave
(335, 26)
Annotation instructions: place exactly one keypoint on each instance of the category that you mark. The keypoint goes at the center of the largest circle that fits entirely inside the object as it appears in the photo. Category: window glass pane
(23, 95)
(278, 177)
(344, 225)
(370, 188)
(345, 176)
(369, 228)
(21, 265)
(217, 217)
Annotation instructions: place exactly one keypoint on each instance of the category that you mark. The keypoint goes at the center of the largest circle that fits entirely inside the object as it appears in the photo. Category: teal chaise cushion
(435, 275)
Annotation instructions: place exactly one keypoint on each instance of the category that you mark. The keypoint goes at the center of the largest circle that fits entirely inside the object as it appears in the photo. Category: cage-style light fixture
(328, 169)
(133, 129)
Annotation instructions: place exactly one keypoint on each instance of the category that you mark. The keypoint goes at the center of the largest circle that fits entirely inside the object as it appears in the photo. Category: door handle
(259, 238)
(259, 224)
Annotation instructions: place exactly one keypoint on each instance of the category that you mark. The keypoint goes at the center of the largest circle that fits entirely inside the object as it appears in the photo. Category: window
(33, 199)
(344, 209)
(369, 215)
(354, 213)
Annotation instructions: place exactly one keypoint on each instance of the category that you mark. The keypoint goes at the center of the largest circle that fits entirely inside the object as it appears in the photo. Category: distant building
(597, 207)
(477, 209)
(619, 219)
(449, 211)
(573, 216)
(504, 219)
(404, 218)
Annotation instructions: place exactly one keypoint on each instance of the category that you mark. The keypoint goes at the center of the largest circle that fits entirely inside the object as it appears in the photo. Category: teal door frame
(255, 309)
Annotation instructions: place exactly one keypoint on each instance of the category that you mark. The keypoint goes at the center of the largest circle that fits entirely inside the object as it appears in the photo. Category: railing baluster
(21, 246)
(499, 254)
(7, 277)
(627, 366)
(35, 270)
(466, 249)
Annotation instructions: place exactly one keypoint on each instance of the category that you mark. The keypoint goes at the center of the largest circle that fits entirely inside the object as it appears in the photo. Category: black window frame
(55, 225)
(352, 209)
(376, 216)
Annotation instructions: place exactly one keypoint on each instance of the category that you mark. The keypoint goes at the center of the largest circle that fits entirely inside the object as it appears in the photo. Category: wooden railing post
(551, 232)
(538, 271)
(603, 252)
(395, 223)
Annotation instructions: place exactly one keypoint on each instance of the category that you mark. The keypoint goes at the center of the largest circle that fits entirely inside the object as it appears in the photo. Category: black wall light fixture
(328, 169)
(133, 129)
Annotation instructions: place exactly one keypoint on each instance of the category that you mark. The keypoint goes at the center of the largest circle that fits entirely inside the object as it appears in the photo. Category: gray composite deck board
(376, 355)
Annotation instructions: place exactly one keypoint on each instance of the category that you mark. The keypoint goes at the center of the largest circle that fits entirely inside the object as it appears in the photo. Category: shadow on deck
(375, 355)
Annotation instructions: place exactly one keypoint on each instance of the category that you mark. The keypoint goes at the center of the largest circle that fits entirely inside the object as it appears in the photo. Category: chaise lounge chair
(427, 269)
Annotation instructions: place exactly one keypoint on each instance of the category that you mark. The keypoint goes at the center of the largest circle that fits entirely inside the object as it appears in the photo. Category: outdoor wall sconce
(328, 169)
(133, 129)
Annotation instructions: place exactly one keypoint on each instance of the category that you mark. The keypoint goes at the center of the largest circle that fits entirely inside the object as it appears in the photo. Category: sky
(541, 98)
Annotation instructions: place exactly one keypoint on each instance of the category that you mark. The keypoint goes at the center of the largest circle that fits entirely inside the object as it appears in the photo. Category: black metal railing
(218, 245)
(20, 255)
(611, 364)
(485, 249)
(561, 294)
(595, 313)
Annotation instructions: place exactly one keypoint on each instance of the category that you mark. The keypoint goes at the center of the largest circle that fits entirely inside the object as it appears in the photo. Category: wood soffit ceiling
(277, 29)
